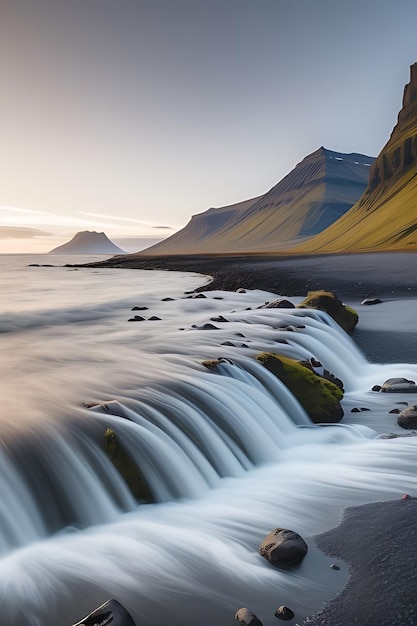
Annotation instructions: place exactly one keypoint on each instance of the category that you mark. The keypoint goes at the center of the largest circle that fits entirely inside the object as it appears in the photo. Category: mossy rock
(125, 465)
(326, 301)
(319, 397)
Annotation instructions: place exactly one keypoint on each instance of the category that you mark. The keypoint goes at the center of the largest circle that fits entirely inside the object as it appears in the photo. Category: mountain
(311, 197)
(88, 242)
(385, 217)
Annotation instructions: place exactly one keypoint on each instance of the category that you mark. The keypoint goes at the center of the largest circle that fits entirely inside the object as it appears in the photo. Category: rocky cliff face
(385, 217)
(88, 242)
(316, 193)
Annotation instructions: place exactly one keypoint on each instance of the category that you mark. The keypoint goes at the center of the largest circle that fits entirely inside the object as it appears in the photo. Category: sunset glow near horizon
(130, 116)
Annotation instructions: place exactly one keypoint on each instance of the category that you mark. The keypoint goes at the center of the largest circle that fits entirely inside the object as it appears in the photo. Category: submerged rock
(111, 612)
(125, 465)
(281, 303)
(319, 397)
(370, 301)
(246, 618)
(283, 548)
(326, 301)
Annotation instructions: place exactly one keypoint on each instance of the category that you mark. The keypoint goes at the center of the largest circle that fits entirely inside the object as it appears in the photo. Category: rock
(315, 366)
(326, 301)
(227, 343)
(359, 409)
(335, 567)
(218, 298)
(200, 295)
(395, 411)
(376, 388)
(283, 548)
(239, 335)
(220, 318)
(369, 301)
(124, 463)
(246, 618)
(167, 299)
(240, 290)
(153, 318)
(319, 397)
(281, 303)
(284, 613)
(399, 385)
(212, 365)
(111, 612)
(140, 308)
(136, 318)
(408, 417)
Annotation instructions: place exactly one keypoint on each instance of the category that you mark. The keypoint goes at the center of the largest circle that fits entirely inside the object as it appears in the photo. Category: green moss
(319, 397)
(125, 465)
(326, 301)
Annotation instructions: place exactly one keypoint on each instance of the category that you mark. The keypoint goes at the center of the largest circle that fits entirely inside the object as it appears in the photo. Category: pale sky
(129, 116)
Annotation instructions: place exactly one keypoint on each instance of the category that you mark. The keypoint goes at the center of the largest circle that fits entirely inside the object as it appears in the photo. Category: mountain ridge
(323, 186)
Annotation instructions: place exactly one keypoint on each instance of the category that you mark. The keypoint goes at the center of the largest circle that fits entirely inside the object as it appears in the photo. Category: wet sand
(379, 542)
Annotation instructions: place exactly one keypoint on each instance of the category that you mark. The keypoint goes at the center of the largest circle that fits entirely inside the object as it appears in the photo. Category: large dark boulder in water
(408, 417)
(399, 385)
(111, 612)
(326, 301)
(319, 397)
(283, 548)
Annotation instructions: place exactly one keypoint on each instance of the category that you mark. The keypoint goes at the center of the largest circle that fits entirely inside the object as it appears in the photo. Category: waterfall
(226, 455)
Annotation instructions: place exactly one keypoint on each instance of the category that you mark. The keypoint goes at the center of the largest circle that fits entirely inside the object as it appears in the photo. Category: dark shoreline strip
(379, 543)
(356, 276)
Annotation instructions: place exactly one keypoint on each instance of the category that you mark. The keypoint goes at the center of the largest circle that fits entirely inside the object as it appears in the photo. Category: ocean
(225, 455)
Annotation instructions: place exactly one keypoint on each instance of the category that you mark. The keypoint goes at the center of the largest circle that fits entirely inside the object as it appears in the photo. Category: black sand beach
(357, 276)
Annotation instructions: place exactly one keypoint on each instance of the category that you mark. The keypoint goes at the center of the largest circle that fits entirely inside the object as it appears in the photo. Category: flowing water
(226, 455)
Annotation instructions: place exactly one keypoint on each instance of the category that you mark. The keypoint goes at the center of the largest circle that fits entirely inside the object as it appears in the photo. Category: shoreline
(358, 276)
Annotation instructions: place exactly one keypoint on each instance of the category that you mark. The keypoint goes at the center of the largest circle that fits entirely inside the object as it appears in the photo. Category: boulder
(246, 618)
(283, 548)
(136, 318)
(284, 613)
(408, 418)
(240, 290)
(140, 308)
(319, 397)
(281, 303)
(326, 301)
(111, 612)
(399, 385)
(153, 318)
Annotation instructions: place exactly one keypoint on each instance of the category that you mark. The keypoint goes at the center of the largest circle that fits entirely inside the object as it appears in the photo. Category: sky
(130, 116)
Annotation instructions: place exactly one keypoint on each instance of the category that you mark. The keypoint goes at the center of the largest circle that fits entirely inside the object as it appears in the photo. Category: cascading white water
(227, 455)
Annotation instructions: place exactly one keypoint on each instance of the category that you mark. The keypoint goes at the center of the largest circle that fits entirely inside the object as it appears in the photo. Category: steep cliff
(311, 197)
(385, 217)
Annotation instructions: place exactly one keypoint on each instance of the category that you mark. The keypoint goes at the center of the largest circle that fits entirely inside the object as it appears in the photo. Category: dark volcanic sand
(379, 542)
(354, 276)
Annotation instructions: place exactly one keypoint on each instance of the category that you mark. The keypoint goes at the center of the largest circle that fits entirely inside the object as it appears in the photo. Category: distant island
(88, 242)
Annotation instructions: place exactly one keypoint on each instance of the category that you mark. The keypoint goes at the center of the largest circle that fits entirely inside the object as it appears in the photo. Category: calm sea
(226, 455)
